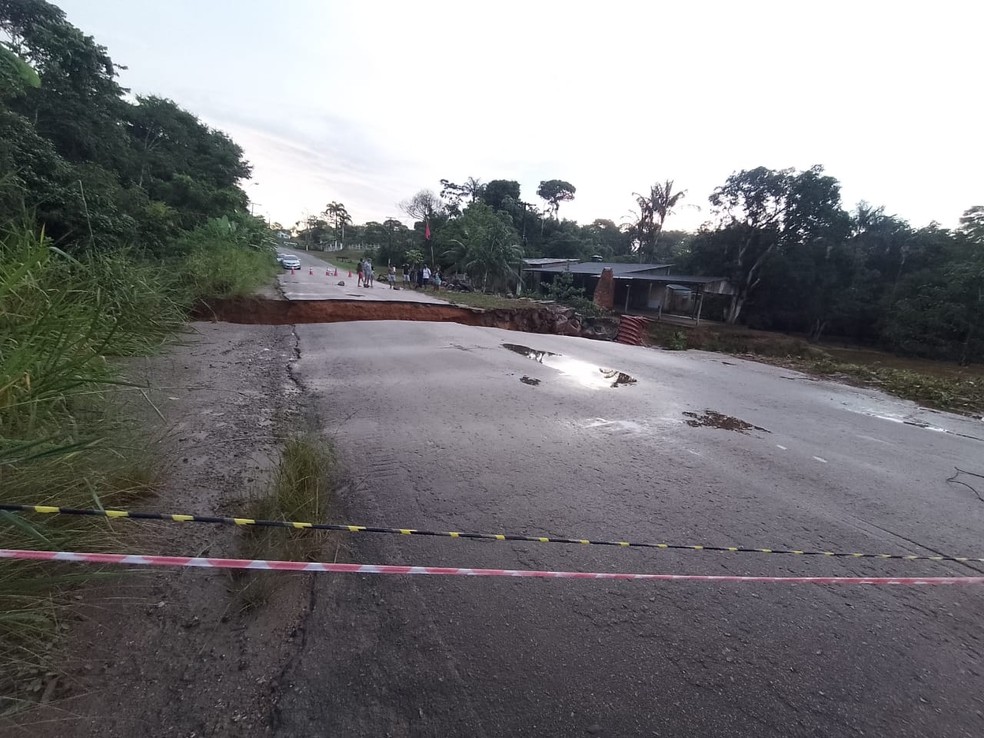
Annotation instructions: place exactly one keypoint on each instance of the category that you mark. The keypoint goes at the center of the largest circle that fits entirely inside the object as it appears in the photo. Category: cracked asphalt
(438, 430)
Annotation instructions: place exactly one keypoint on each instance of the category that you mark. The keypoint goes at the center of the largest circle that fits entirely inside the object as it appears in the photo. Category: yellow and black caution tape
(216, 520)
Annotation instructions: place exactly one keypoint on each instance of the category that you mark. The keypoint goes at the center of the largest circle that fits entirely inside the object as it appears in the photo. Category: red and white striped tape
(302, 566)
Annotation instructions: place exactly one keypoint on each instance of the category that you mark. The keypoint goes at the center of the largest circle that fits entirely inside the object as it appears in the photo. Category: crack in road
(274, 717)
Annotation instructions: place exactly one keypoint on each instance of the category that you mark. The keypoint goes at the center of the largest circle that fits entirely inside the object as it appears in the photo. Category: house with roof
(639, 288)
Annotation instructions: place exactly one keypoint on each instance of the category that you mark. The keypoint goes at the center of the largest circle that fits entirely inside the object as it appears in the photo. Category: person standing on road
(391, 277)
(406, 276)
(370, 277)
(361, 264)
(437, 280)
(426, 276)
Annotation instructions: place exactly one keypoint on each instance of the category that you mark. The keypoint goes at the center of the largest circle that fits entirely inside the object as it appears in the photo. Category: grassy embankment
(63, 321)
(936, 384)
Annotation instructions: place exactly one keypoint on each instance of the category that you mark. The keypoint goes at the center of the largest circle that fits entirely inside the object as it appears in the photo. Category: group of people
(413, 277)
(421, 277)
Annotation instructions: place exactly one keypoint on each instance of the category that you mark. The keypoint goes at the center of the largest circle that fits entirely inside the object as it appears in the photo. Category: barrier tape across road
(318, 567)
(345, 528)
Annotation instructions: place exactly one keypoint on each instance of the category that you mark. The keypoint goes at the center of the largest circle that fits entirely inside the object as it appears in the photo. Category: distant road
(313, 282)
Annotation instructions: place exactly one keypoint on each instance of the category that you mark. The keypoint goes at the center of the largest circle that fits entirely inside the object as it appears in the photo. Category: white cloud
(367, 102)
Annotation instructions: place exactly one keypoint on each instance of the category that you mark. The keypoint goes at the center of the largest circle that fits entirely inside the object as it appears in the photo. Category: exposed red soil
(261, 311)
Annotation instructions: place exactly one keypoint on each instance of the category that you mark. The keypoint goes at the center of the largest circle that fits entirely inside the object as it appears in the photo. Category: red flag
(427, 231)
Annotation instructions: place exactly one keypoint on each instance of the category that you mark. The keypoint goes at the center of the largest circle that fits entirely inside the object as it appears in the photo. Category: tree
(314, 232)
(938, 306)
(414, 257)
(565, 240)
(972, 224)
(555, 191)
(484, 245)
(182, 162)
(607, 238)
(100, 171)
(764, 210)
(653, 210)
(16, 75)
(78, 102)
(423, 206)
(497, 191)
(340, 217)
(454, 194)
(473, 188)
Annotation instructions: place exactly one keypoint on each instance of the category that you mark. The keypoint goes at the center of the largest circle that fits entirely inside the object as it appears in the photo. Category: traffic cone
(336, 271)
(327, 272)
(350, 274)
(310, 271)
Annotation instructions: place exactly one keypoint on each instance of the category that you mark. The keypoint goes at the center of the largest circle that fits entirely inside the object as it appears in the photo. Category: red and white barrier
(318, 567)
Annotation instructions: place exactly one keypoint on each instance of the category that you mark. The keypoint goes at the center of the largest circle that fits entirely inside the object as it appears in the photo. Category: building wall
(684, 302)
(656, 297)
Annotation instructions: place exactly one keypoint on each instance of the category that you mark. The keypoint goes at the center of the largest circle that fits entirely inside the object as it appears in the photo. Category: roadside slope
(178, 644)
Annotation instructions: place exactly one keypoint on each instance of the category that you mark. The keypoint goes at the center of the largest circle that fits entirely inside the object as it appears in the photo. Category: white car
(290, 262)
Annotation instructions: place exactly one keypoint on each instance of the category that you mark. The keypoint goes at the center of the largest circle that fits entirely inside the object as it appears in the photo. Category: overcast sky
(368, 102)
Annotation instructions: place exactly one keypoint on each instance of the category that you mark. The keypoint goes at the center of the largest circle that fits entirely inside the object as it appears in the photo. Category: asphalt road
(438, 430)
(316, 280)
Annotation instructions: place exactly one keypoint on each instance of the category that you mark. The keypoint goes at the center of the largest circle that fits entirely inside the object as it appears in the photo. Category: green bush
(677, 342)
(226, 258)
(562, 290)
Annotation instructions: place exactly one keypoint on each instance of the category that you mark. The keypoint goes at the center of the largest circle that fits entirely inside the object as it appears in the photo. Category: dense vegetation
(800, 261)
(115, 215)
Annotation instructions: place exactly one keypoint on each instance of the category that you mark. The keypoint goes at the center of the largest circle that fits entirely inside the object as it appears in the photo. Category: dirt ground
(173, 653)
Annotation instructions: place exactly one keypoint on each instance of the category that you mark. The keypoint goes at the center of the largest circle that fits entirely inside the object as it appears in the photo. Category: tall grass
(302, 490)
(226, 270)
(62, 439)
(225, 258)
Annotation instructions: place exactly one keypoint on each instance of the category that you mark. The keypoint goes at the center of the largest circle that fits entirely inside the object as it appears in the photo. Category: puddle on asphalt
(714, 419)
(585, 374)
(528, 352)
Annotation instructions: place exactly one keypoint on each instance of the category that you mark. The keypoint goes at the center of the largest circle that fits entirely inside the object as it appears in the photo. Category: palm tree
(337, 212)
(473, 188)
(487, 250)
(653, 210)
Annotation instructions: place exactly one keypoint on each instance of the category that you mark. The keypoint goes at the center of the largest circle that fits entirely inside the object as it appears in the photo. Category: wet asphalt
(439, 426)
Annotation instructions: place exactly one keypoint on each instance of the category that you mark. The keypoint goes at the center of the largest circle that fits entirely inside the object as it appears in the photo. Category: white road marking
(822, 461)
(782, 447)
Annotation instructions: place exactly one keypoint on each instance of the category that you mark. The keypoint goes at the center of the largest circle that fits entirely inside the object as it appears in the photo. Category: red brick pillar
(604, 294)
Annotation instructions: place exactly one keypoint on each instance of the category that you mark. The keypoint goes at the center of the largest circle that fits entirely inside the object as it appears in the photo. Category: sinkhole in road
(582, 372)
